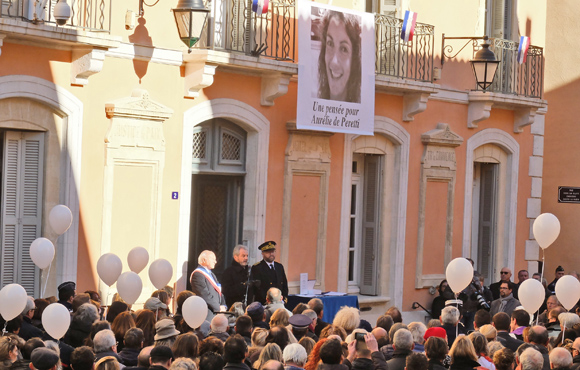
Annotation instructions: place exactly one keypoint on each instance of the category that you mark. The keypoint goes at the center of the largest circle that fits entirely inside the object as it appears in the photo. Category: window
(21, 204)
(499, 19)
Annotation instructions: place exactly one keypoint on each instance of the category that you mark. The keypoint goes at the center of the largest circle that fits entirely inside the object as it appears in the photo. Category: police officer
(269, 272)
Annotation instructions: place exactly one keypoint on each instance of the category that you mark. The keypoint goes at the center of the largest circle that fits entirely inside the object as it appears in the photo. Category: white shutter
(370, 225)
(23, 164)
(499, 19)
(390, 8)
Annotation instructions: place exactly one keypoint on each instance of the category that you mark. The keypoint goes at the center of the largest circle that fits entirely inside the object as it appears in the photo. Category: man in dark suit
(269, 272)
(506, 301)
(205, 284)
(235, 278)
(317, 306)
(501, 322)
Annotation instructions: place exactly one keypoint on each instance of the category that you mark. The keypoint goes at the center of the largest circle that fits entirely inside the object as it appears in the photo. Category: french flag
(408, 26)
(260, 6)
(523, 49)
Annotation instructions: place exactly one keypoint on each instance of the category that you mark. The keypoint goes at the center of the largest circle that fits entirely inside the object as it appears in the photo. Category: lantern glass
(190, 18)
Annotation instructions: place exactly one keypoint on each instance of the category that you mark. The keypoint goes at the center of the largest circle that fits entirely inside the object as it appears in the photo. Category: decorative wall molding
(438, 164)
(413, 104)
(274, 85)
(523, 117)
(2, 37)
(307, 154)
(478, 111)
(134, 139)
(85, 63)
(198, 74)
(71, 109)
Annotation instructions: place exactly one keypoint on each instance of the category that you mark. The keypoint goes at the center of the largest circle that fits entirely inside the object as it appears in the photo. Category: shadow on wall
(142, 45)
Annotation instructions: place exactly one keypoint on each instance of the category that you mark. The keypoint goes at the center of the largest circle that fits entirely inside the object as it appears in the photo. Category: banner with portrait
(336, 69)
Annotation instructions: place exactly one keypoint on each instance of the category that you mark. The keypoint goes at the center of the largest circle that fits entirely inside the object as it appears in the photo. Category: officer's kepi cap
(267, 246)
(300, 321)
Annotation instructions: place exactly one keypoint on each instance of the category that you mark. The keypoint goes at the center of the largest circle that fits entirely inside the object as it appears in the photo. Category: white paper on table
(334, 293)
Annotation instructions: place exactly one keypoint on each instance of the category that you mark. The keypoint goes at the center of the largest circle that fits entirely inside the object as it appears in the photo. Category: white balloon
(56, 320)
(109, 267)
(160, 273)
(60, 218)
(12, 301)
(546, 229)
(459, 274)
(42, 252)
(531, 295)
(194, 311)
(567, 291)
(129, 286)
(137, 259)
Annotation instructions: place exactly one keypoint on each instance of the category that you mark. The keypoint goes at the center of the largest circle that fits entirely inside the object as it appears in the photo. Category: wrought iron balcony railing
(236, 28)
(412, 60)
(90, 15)
(524, 79)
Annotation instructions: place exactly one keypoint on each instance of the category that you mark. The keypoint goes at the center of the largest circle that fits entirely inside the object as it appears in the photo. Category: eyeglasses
(504, 288)
(504, 272)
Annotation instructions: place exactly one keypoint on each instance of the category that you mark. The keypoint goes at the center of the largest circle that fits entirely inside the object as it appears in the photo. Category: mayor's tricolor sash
(216, 286)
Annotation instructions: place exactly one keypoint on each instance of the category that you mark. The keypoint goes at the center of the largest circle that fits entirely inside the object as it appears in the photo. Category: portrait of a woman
(339, 63)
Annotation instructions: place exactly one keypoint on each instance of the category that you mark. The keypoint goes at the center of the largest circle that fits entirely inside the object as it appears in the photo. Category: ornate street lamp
(190, 17)
(484, 66)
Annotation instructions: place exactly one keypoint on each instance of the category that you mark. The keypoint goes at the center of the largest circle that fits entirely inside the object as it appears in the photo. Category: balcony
(88, 15)
(395, 58)
(524, 79)
(235, 28)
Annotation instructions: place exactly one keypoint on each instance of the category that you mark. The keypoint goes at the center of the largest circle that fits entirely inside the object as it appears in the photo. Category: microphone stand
(247, 287)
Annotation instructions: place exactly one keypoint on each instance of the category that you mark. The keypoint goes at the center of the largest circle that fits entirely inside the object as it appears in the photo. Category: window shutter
(390, 8)
(498, 18)
(370, 225)
(487, 219)
(21, 207)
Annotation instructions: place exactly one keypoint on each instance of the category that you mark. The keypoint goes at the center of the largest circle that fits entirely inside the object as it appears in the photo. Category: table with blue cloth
(332, 304)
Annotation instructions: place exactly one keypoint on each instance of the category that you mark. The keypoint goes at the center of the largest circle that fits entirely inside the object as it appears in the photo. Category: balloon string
(457, 326)
(541, 278)
(46, 280)
(4, 330)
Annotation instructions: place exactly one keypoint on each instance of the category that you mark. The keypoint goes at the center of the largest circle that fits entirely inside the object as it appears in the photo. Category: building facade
(150, 145)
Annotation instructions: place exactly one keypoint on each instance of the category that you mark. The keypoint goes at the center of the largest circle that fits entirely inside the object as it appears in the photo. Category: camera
(482, 302)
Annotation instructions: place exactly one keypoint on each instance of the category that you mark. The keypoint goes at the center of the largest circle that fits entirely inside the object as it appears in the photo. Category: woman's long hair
(353, 30)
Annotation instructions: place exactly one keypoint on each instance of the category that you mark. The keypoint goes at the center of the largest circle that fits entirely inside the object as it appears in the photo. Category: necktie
(272, 267)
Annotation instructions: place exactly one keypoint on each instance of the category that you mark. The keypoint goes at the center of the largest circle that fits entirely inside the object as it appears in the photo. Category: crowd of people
(486, 329)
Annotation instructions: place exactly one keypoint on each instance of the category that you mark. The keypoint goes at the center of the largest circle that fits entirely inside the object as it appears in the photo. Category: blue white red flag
(260, 6)
(523, 49)
(408, 26)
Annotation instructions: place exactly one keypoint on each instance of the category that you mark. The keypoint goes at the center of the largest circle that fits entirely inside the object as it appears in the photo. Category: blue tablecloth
(332, 304)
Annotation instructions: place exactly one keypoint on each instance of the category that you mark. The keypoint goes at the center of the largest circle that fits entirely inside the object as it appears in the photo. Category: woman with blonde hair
(271, 351)
(279, 317)
(347, 318)
(107, 363)
(463, 356)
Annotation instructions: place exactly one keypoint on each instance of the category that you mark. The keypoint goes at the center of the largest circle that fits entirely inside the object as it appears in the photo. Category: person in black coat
(27, 330)
(269, 272)
(235, 278)
(133, 340)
